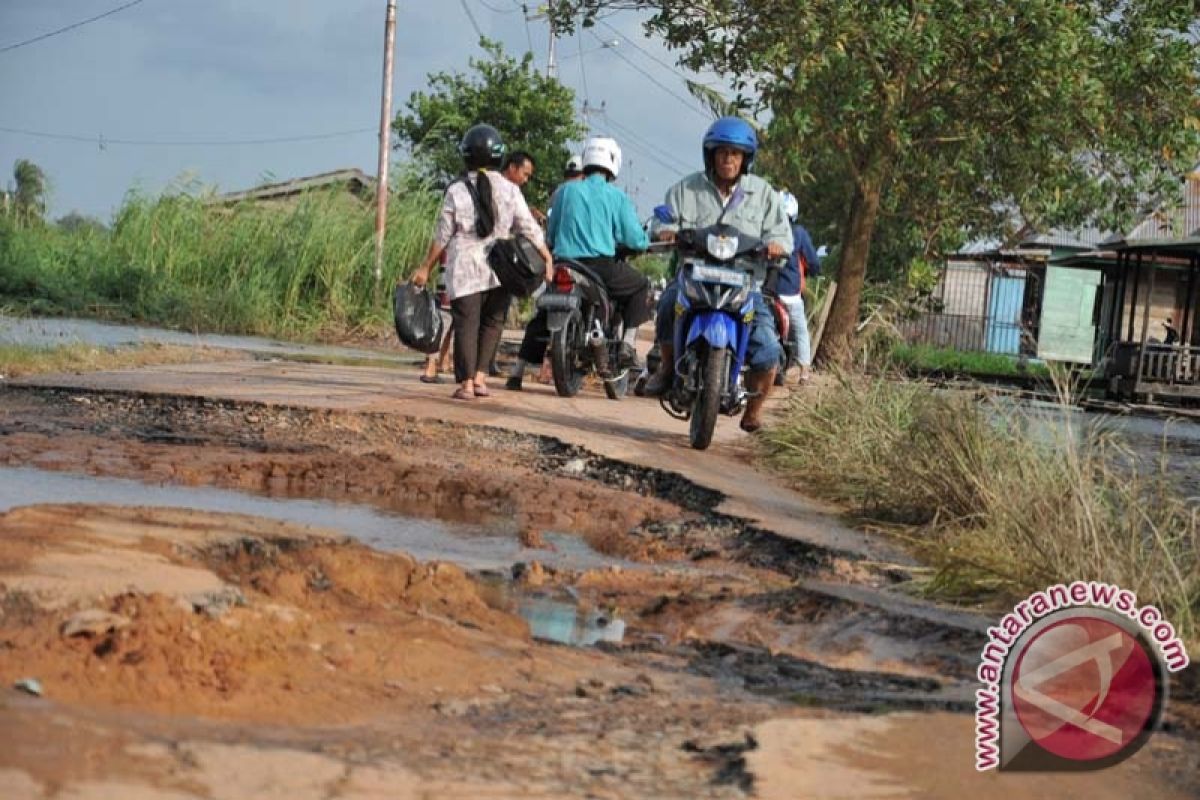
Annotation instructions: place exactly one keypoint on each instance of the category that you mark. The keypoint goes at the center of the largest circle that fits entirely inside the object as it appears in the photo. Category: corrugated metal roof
(297, 185)
(1176, 222)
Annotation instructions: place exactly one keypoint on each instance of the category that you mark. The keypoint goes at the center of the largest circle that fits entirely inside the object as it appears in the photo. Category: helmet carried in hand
(730, 132)
(603, 152)
(482, 147)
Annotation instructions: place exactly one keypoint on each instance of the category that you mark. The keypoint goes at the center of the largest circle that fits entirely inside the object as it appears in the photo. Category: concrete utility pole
(544, 13)
(385, 121)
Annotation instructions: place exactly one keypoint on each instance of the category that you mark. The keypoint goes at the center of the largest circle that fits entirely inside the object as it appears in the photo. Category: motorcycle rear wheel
(714, 374)
(564, 362)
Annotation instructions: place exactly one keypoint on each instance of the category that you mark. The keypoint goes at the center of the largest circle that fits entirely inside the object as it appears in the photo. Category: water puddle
(57, 332)
(474, 547)
(554, 614)
(568, 623)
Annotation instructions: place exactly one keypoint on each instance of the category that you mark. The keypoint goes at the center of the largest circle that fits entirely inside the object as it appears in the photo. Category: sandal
(750, 427)
(431, 379)
(482, 391)
(461, 394)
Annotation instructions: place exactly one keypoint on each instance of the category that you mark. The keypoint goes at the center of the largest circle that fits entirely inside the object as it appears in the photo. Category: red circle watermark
(1084, 688)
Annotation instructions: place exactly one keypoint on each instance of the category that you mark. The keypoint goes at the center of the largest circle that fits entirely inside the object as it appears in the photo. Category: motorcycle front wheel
(714, 374)
(564, 361)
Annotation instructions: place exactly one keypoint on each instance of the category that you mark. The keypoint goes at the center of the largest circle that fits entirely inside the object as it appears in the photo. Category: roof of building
(1178, 221)
(355, 178)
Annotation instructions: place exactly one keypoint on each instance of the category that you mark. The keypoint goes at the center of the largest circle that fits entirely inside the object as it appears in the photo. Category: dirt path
(195, 654)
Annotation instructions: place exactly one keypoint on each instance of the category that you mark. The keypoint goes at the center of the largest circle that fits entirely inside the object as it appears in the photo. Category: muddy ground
(181, 653)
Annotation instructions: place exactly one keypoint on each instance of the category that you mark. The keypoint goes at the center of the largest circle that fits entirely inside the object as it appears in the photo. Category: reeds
(996, 498)
(297, 268)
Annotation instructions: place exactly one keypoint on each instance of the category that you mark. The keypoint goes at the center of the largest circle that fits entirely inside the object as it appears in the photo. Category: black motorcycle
(585, 331)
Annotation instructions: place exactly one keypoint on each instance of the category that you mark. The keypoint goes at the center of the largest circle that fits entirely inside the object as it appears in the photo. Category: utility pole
(385, 121)
(544, 13)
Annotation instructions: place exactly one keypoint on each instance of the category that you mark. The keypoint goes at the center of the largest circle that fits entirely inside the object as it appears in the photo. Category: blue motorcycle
(720, 270)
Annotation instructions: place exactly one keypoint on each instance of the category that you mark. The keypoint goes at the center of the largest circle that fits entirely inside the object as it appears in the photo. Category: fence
(978, 306)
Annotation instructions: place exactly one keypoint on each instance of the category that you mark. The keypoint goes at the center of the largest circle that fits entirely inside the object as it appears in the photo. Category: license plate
(556, 302)
(721, 275)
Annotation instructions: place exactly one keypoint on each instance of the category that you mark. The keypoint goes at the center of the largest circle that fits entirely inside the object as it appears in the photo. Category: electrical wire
(656, 82)
(69, 27)
(471, 17)
(498, 10)
(648, 148)
(644, 51)
(525, 15)
(582, 69)
(646, 143)
(104, 140)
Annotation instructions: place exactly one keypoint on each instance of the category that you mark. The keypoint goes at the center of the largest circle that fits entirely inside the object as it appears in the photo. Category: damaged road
(746, 643)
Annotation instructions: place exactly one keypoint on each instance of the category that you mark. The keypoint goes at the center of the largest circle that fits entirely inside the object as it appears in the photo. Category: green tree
(29, 194)
(952, 117)
(533, 112)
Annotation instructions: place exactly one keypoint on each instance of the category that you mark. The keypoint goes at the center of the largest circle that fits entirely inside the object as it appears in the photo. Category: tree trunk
(837, 344)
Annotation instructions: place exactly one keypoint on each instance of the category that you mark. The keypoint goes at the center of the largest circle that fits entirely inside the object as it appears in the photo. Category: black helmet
(482, 146)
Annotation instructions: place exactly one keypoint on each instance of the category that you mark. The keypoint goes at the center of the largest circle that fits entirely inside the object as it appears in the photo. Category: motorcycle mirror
(664, 213)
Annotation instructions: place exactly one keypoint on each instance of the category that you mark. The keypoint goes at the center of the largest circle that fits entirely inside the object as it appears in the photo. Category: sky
(166, 72)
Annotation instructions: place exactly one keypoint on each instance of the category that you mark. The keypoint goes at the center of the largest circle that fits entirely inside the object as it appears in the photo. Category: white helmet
(574, 164)
(601, 151)
(791, 206)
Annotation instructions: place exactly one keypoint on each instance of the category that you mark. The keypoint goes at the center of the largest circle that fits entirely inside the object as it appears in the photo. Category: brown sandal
(462, 394)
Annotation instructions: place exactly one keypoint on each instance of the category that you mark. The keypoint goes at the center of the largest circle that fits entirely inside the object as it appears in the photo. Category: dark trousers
(628, 288)
(537, 339)
(478, 323)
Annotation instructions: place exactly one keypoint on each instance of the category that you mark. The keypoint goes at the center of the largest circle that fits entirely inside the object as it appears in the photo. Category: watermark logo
(1075, 678)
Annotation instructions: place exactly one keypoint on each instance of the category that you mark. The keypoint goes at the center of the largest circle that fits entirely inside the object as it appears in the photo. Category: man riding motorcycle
(589, 221)
(725, 192)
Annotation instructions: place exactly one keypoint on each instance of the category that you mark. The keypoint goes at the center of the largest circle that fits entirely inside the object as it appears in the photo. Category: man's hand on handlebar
(665, 236)
(775, 250)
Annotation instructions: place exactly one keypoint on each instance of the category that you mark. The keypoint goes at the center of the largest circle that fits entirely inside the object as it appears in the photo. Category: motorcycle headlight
(722, 248)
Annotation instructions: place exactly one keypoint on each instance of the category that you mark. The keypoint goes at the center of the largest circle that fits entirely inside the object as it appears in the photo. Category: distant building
(354, 181)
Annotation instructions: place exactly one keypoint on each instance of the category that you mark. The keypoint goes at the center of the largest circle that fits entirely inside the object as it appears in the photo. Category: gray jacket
(697, 204)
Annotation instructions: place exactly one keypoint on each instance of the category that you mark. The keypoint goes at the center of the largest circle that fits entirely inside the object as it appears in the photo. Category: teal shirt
(590, 218)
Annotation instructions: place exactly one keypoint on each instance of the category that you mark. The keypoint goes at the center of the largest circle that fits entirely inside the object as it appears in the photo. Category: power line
(525, 15)
(645, 143)
(498, 10)
(651, 150)
(470, 16)
(69, 27)
(644, 51)
(657, 82)
(102, 140)
(582, 68)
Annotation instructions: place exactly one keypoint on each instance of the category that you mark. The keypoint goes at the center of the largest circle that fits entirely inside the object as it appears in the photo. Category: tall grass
(297, 268)
(992, 507)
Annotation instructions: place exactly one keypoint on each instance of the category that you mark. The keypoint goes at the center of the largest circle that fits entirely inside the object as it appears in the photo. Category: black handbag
(418, 322)
(518, 265)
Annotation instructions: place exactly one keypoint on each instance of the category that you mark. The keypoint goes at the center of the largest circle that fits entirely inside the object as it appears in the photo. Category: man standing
(536, 327)
(725, 191)
(802, 263)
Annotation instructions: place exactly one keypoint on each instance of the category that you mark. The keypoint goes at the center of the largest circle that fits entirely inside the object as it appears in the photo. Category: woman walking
(477, 209)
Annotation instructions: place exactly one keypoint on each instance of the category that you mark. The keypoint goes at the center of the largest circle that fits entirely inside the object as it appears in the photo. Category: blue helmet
(730, 132)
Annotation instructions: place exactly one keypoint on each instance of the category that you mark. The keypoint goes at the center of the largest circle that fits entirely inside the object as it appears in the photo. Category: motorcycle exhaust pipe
(599, 347)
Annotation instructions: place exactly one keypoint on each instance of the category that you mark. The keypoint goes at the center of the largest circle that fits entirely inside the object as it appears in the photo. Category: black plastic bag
(517, 264)
(418, 323)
